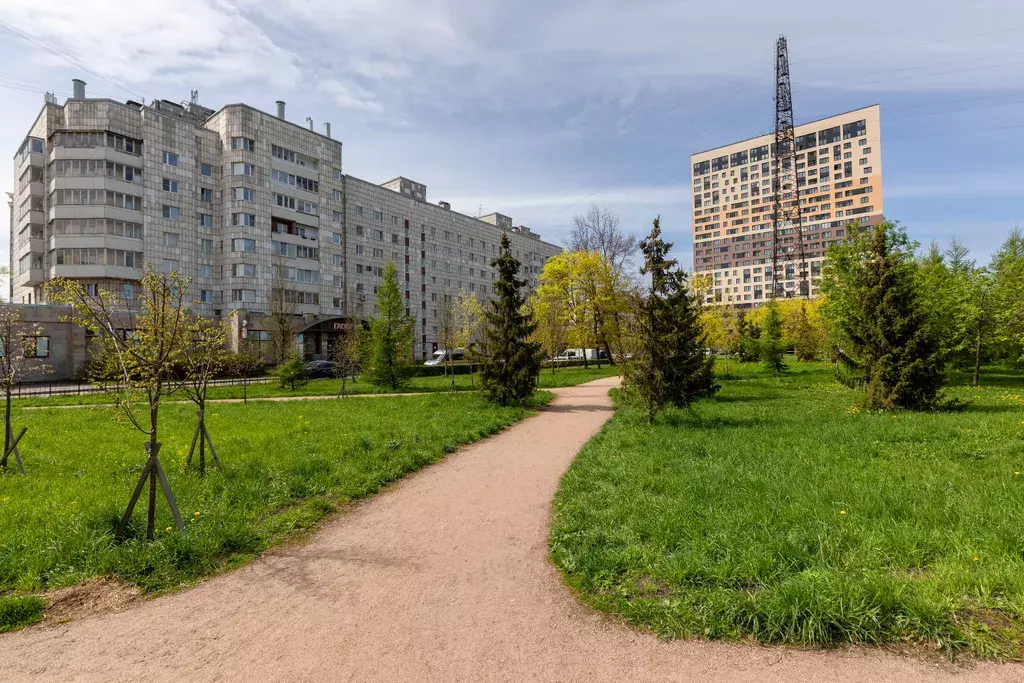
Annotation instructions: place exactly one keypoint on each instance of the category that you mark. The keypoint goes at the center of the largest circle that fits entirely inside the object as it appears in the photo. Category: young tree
(247, 362)
(469, 318)
(345, 356)
(874, 303)
(283, 319)
(447, 333)
(203, 357)
(669, 363)
(19, 359)
(549, 312)
(391, 334)
(144, 348)
(772, 347)
(291, 373)
(511, 362)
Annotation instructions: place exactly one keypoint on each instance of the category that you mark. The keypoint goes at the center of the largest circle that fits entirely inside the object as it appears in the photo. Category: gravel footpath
(443, 577)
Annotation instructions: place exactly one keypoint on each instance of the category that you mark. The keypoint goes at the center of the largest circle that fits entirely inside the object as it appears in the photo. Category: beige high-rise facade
(839, 175)
(239, 201)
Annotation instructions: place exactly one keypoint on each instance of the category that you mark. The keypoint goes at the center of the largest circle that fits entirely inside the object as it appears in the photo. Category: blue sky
(536, 109)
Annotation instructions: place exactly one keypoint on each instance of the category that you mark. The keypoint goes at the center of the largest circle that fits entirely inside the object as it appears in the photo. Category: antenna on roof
(194, 97)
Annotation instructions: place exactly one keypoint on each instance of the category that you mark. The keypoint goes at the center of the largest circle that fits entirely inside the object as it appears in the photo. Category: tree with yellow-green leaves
(590, 296)
(549, 314)
(469, 327)
(143, 338)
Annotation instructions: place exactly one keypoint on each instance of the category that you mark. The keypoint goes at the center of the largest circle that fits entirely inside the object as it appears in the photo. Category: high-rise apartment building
(240, 201)
(839, 176)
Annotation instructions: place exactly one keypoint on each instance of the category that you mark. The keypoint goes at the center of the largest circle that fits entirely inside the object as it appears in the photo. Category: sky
(537, 109)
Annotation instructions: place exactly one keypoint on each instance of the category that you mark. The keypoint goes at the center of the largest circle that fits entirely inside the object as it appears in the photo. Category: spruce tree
(875, 302)
(771, 346)
(511, 362)
(670, 365)
(391, 336)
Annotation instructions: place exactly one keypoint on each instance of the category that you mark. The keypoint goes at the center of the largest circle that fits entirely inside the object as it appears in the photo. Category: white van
(442, 356)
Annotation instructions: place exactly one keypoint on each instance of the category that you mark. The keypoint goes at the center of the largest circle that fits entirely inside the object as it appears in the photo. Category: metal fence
(67, 388)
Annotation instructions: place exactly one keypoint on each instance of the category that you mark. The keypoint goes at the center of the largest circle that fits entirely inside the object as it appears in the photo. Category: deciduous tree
(18, 359)
(142, 343)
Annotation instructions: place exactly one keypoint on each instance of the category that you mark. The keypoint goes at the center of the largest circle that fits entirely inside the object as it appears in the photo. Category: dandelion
(1017, 473)
(74, 502)
(197, 513)
(976, 558)
(842, 512)
(167, 530)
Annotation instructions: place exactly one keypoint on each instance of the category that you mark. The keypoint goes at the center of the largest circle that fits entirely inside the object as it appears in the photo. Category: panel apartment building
(239, 201)
(839, 175)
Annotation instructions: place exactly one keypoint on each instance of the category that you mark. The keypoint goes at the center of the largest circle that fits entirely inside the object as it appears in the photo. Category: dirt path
(444, 577)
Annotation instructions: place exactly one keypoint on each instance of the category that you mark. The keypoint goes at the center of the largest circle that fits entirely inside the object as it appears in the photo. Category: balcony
(28, 278)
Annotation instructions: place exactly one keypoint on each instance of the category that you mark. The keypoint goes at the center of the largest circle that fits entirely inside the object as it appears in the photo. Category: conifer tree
(390, 338)
(875, 303)
(511, 362)
(670, 364)
(771, 346)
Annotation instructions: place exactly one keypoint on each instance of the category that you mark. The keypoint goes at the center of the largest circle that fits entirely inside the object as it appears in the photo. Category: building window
(243, 270)
(171, 212)
(41, 347)
(169, 266)
(360, 232)
(205, 194)
(243, 295)
(170, 185)
(244, 144)
(336, 259)
(241, 168)
(335, 238)
(245, 194)
(378, 235)
(240, 244)
(336, 217)
(206, 246)
(359, 210)
(245, 219)
(378, 216)
(170, 239)
(336, 174)
(205, 271)
(92, 289)
(206, 170)
(359, 250)
(170, 159)
(128, 292)
(867, 170)
(206, 296)
(206, 220)
(336, 195)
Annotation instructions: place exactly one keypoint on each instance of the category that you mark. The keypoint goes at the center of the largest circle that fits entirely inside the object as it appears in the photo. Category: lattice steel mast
(786, 191)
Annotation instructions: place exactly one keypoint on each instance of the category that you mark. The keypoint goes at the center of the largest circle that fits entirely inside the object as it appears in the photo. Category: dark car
(318, 369)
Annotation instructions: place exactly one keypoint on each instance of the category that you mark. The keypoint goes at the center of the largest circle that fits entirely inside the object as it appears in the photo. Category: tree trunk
(7, 424)
(151, 511)
(977, 358)
(202, 437)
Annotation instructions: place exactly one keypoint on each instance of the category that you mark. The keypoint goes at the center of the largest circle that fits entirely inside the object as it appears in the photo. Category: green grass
(329, 387)
(286, 466)
(17, 611)
(778, 511)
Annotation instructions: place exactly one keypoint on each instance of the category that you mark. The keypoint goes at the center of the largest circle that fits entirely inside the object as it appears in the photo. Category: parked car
(442, 355)
(318, 369)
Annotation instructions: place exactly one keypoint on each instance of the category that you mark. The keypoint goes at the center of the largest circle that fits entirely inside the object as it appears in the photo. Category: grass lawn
(286, 466)
(780, 512)
(563, 377)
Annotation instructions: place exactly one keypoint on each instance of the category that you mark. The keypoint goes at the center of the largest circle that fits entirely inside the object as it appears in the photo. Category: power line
(73, 59)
